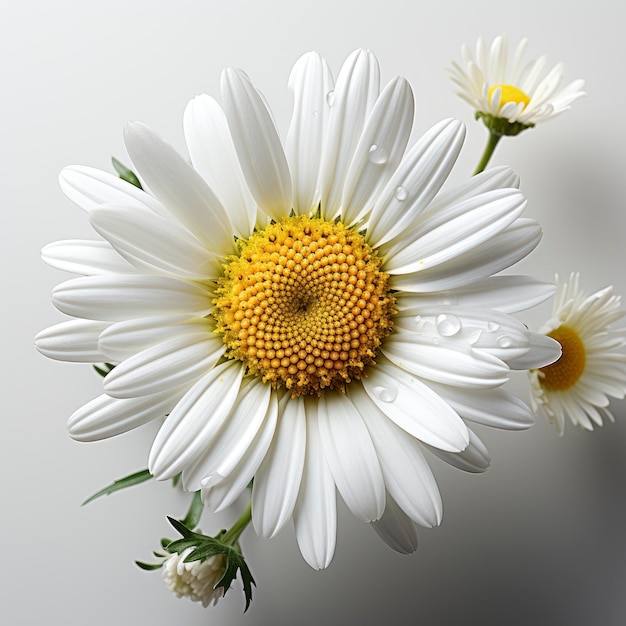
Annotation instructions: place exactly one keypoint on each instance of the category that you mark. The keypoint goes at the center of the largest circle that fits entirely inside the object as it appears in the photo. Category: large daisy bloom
(314, 316)
(592, 367)
(511, 93)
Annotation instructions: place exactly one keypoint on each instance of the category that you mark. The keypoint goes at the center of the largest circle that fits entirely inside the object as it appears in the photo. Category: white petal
(89, 188)
(351, 456)
(123, 339)
(180, 188)
(154, 244)
(408, 477)
(396, 528)
(315, 514)
(219, 492)
(310, 81)
(420, 175)
(117, 298)
(454, 231)
(75, 341)
(495, 255)
(105, 417)
(415, 408)
(257, 144)
(195, 420)
(474, 459)
(166, 365)
(85, 257)
(235, 437)
(509, 294)
(213, 155)
(354, 95)
(543, 351)
(277, 482)
(379, 150)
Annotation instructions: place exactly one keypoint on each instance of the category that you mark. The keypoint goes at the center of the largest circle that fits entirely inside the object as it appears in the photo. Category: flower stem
(232, 535)
(492, 142)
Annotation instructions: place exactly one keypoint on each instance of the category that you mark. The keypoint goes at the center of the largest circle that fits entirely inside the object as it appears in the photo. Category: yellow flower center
(564, 373)
(509, 94)
(304, 305)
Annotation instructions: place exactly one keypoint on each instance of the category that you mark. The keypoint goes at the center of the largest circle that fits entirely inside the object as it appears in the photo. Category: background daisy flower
(592, 367)
(313, 317)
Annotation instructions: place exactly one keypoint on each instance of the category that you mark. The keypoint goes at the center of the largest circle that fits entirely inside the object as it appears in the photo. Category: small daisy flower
(195, 580)
(511, 95)
(592, 367)
(314, 316)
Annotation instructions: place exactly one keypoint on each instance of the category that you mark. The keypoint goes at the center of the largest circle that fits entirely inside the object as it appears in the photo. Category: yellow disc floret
(564, 373)
(509, 93)
(304, 305)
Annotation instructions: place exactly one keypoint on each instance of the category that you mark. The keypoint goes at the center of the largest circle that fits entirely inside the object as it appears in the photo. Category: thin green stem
(492, 142)
(232, 535)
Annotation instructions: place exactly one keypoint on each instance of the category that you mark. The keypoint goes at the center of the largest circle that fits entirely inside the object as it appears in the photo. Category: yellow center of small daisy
(564, 373)
(304, 305)
(509, 94)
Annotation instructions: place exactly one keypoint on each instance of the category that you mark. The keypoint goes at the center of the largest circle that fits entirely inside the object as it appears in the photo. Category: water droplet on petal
(386, 394)
(314, 113)
(330, 98)
(505, 342)
(378, 155)
(447, 325)
(401, 194)
(436, 341)
(493, 325)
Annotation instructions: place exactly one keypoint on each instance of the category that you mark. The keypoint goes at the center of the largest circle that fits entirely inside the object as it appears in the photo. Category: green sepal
(205, 547)
(194, 514)
(122, 483)
(501, 126)
(126, 174)
(105, 369)
(149, 566)
(176, 480)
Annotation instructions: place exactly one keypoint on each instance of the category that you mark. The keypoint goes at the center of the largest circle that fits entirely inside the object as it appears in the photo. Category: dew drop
(386, 394)
(436, 341)
(505, 342)
(401, 194)
(314, 113)
(493, 326)
(330, 98)
(447, 325)
(378, 154)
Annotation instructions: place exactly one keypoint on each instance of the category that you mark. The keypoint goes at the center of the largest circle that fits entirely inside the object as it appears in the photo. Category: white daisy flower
(592, 367)
(313, 316)
(511, 94)
(195, 580)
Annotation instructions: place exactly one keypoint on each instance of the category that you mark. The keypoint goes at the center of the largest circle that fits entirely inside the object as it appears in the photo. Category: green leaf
(126, 174)
(176, 480)
(104, 370)
(195, 511)
(149, 566)
(122, 483)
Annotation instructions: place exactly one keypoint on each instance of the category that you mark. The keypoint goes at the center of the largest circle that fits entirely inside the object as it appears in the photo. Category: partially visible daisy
(592, 367)
(313, 315)
(515, 93)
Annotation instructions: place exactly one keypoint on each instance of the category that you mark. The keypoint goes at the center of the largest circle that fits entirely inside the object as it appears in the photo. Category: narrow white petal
(379, 150)
(219, 492)
(415, 408)
(408, 477)
(315, 513)
(495, 255)
(396, 528)
(351, 456)
(277, 482)
(180, 188)
(213, 155)
(355, 92)
(195, 420)
(89, 188)
(420, 175)
(75, 341)
(117, 298)
(85, 257)
(257, 144)
(474, 459)
(166, 365)
(105, 417)
(543, 351)
(123, 339)
(153, 243)
(310, 81)
(235, 437)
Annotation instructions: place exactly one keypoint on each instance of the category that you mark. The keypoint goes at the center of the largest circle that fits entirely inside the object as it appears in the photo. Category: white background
(538, 539)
